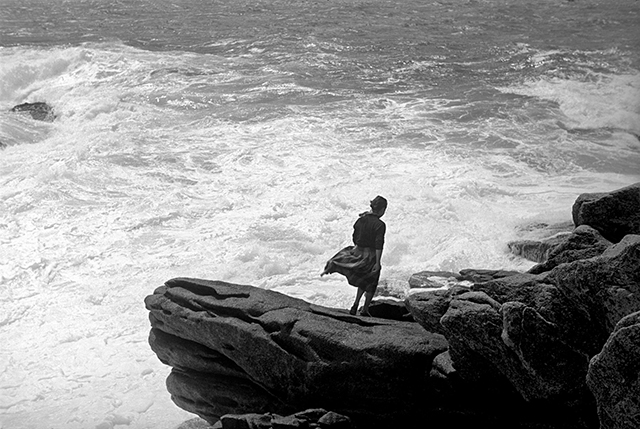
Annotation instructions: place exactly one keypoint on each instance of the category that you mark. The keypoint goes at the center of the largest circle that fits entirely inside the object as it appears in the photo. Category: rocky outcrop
(614, 376)
(497, 348)
(239, 349)
(427, 308)
(606, 287)
(583, 243)
(537, 239)
(535, 334)
(39, 111)
(614, 214)
(534, 250)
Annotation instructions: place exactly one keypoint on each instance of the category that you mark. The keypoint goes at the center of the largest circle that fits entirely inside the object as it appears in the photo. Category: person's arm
(379, 245)
(376, 267)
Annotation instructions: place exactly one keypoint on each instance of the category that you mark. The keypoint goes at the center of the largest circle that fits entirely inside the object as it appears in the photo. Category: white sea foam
(602, 101)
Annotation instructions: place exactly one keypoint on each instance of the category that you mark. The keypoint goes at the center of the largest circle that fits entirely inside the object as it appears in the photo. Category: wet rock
(536, 251)
(480, 275)
(583, 243)
(614, 214)
(285, 353)
(39, 111)
(613, 376)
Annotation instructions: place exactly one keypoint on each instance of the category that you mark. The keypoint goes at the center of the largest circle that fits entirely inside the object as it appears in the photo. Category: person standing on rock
(360, 264)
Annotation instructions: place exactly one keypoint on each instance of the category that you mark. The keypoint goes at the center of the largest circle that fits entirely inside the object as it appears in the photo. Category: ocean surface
(238, 140)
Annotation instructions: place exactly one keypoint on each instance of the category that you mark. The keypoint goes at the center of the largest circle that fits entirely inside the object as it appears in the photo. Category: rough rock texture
(240, 348)
(614, 214)
(583, 243)
(38, 110)
(614, 376)
(536, 250)
(534, 334)
(607, 287)
(480, 275)
(428, 307)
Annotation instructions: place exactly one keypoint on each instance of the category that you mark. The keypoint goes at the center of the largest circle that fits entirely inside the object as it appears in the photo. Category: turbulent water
(239, 140)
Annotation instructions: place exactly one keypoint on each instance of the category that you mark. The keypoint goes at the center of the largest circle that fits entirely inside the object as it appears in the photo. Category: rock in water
(583, 243)
(614, 214)
(614, 376)
(39, 111)
(239, 349)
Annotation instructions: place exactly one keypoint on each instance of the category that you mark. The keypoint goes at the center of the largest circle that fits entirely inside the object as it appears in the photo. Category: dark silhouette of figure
(360, 263)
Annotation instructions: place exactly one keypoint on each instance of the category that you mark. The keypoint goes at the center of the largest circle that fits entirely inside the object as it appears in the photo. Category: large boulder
(427, 308)
(606, 287)
(533, 336)
(239, 349)
(614, 376)
(614, 214)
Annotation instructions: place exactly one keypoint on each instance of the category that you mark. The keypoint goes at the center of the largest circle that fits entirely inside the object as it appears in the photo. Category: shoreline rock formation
(555, 347)
(237, 349)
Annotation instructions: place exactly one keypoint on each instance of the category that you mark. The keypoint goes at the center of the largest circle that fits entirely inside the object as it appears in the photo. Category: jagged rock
(38, 110)
(289, 422)
(614, 376)
(537, 239)
(606, 287)
(293, 354)
(428, 307)
(479, 276)
(334, 420)
(614, 214)
(583, 243)
(390, 309)
(501, 349)
(311, 415)
(534, 250)
(536, 333)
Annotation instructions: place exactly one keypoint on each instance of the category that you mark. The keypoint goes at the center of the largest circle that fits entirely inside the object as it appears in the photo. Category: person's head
(378, 205)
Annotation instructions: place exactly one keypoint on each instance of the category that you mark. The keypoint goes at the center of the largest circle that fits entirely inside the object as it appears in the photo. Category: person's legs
(354, 308)
(368, 296)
